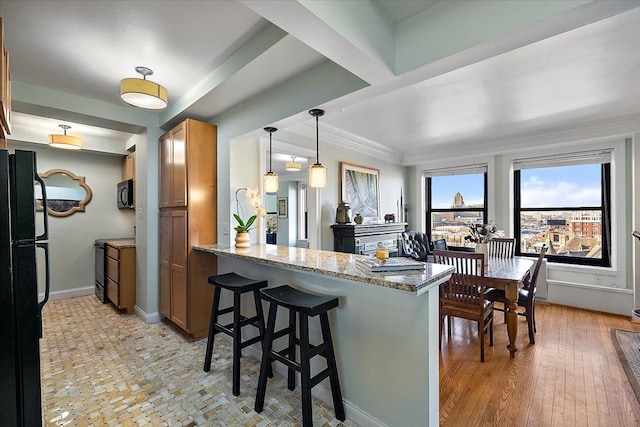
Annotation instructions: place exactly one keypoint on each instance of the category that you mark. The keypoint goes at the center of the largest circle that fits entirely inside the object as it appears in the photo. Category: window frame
(429, 210)
(605, 208)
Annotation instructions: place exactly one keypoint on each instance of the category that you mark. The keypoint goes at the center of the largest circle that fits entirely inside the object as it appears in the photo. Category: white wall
(71, 238)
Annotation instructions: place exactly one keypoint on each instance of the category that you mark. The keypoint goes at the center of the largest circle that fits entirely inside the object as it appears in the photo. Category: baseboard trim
(155, 317)
(69, 293)
(352, 412)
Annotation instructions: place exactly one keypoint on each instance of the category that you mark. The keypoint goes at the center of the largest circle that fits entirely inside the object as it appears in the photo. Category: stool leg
(291, 350)
(338, 405)
(260, 314)
(266, 358)
(305, 372)
(237, 340)
(212, 329)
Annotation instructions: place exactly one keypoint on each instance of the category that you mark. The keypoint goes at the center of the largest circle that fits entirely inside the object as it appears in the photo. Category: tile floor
(103, 368)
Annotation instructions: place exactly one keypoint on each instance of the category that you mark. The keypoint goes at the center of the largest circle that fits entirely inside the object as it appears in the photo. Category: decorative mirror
(66, 192)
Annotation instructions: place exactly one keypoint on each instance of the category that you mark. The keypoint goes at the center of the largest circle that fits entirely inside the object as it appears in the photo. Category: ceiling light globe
(143, 93)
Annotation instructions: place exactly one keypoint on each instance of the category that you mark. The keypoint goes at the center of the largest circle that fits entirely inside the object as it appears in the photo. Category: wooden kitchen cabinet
(121, 277)
(188, 217)
(129, 166)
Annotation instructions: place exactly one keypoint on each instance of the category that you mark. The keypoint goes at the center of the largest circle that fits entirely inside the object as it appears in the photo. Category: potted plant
(242, 229)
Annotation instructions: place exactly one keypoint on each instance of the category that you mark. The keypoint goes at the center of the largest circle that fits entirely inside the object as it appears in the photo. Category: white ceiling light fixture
(293, 166)
(143, 93)
(317, 172)
(270, 178)
(66, 142)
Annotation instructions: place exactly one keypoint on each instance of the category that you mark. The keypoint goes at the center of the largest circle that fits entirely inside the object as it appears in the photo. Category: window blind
(458, 170)
(571, 159)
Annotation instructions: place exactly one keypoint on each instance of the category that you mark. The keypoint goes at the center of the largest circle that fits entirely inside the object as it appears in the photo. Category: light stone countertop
(335, 264)
(121, 243)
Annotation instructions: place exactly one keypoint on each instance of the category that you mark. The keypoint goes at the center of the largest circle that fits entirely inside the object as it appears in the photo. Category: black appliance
(20, 310)
(125, 194)
(101, 290)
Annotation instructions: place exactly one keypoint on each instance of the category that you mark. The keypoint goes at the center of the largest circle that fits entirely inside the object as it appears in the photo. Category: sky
(566, 186)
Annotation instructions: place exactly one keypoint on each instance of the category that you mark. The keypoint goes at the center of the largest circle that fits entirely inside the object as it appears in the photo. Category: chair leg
(291, 350)
(530, 325)
(491, 330)
(212, 329)
(266, 358)
(261, 323)
(305, 372)
(336, 394)
(237, 341)
(533, 315)
(449, 327)
(481, 328)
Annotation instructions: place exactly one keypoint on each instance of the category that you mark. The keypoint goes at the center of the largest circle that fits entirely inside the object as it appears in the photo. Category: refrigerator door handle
(47, 281)
(45, 216)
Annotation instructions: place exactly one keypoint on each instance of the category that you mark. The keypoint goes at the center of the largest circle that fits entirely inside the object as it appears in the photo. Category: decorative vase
(243, 240)
(483, 248)
(343, 213)
(358, 219)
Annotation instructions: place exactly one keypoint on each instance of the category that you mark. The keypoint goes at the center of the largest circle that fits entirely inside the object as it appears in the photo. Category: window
(455, 198)
(564, 202)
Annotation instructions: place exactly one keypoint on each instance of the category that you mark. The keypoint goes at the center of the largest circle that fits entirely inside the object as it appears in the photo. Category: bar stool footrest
(319, 377)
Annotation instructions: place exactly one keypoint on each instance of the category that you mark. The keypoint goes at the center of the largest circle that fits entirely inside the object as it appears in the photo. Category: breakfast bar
(385, 328)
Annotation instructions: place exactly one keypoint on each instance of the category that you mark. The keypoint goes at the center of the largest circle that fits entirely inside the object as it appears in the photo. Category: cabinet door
(164, 273)
(179, 268)
(165, 171)
(179, 166)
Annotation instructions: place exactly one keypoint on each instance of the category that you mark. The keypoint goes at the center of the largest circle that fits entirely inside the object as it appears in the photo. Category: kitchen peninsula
(385, 329)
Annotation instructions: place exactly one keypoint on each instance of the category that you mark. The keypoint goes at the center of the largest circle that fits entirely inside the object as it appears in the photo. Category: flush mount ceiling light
(143, 93)
(317, 172)
(65, 141)
(270, 178)
(293, 166)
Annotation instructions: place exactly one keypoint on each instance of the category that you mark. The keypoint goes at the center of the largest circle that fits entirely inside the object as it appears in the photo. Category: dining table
(507, 274)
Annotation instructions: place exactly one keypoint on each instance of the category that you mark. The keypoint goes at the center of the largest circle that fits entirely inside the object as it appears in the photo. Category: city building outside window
(455, 198)
(564, 202)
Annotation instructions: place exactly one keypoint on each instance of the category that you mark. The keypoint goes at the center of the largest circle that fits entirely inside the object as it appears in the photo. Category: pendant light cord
(317, 142)
(270, 151)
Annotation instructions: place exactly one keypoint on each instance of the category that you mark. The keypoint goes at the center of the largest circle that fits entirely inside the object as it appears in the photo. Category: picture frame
(282, 207)
(360, 188)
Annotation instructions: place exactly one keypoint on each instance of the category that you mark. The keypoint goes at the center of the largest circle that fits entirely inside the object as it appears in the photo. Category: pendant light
(143, 93)
(66, 142)
(293, 166)
(317, 172)
(270, 178)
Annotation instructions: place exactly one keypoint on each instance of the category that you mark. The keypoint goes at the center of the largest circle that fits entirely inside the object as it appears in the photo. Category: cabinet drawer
(113, 269)
(113, 252)
(113, 292)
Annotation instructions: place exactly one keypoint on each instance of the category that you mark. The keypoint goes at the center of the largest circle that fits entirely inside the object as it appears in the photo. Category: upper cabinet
(173, 168)
(5, 90)
(129, 167)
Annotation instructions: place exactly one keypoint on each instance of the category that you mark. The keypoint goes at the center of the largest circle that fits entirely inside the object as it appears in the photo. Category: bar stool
(238, 285)
(305, 305)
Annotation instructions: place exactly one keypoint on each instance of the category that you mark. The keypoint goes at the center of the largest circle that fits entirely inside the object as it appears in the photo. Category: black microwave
(125, 194)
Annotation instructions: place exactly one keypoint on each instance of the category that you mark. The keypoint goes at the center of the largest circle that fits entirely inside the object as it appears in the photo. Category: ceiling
(420, 79)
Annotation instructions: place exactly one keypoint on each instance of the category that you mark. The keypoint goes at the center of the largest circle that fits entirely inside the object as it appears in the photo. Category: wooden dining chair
(526, 297)
(463, 294)
(502, 247)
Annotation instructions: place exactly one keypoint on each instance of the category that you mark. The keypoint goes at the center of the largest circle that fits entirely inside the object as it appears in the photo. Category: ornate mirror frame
(53, 207)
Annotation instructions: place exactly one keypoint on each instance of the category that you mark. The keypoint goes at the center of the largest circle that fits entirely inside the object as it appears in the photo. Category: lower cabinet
(184, 293)
(121, 277)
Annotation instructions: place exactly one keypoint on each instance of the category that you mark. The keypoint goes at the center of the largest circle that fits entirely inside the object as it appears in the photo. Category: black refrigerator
(20, 307)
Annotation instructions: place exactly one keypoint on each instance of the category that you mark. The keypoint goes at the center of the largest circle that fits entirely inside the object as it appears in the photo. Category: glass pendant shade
(270, 180)
(143, 93)
(317, 176)
(66, 142)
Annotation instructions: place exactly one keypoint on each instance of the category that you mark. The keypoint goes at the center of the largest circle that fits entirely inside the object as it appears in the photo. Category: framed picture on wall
(282, 207)
(360, 187)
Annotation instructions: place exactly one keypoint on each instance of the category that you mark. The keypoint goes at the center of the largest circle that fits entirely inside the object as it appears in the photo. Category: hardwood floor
(571, 376)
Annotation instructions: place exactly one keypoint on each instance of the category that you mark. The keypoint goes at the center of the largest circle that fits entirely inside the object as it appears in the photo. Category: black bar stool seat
(305, 305)
(238, 285)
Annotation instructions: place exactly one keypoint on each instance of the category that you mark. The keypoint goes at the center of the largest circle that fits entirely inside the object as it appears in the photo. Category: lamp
(317, 172)
(270, 178)
(65, 141)
(293, 166)
(143, 93)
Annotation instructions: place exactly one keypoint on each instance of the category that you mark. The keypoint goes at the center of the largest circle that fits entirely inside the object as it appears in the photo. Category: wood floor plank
(571, 376)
